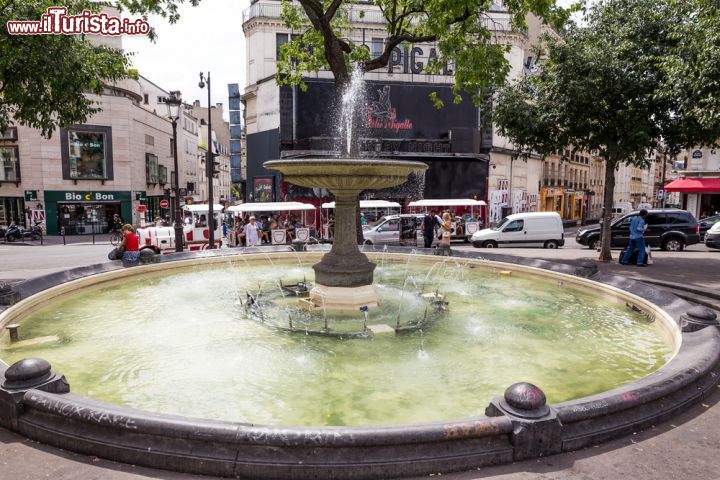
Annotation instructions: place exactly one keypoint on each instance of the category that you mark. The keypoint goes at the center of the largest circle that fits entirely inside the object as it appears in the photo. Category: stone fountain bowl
(36, 402)
(346, 173)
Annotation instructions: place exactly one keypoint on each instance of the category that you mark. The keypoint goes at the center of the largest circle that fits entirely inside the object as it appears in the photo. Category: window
(235, 117)
(280, 40)
(235, 146)
(376, 47)
(235, 131)
(9, 163)
(655, 219)
(234, 104)
(160, 99)
(151, 168)
(9, 134)
(87, 153)
(172, 147)
(515, 226)
(162, 174)
(678, 218)
(149, 139)
(146, 98)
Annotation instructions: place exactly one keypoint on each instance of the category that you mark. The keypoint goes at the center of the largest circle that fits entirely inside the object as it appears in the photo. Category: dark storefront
(401, 123)
(84, 213)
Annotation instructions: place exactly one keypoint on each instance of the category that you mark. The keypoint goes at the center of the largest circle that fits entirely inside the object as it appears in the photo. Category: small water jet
(344, 276)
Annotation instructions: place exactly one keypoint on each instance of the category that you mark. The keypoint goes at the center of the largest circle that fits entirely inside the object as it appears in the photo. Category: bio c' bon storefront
(85, 212)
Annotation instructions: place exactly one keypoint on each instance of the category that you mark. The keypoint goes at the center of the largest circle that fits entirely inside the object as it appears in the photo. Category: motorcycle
(33, 233)
(13, 232)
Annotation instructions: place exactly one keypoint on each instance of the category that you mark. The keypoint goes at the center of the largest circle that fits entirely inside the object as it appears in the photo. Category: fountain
(187, 382)
(344, 276)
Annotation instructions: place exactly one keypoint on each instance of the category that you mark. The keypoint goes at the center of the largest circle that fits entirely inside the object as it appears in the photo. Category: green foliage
(133, 73)
(693, 65)
(609, 86)
(459, 28)
(43, 78)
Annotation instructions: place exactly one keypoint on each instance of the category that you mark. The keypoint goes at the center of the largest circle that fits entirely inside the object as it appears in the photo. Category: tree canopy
(43, 78)
(460, 28)
(605, 87)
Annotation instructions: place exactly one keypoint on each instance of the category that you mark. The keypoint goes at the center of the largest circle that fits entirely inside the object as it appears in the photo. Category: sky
(207, 37)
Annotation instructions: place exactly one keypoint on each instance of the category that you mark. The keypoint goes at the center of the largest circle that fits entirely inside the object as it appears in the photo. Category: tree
(602, 89)
(458, 27)
(43, 78)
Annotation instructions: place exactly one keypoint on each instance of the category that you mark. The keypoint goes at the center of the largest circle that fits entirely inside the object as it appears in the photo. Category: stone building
(569, 186)
(698, 182)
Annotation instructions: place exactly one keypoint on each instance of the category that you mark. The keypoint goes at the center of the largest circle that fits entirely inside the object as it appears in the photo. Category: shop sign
(85, 196)
(31, 195)
(697, 154)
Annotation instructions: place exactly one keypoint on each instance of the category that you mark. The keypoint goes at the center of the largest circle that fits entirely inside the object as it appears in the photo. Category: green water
(182, 344)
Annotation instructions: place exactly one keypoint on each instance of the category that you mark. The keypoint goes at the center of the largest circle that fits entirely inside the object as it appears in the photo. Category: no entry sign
(164, 203)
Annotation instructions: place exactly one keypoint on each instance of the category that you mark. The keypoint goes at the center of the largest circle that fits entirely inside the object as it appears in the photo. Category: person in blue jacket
(637, 240)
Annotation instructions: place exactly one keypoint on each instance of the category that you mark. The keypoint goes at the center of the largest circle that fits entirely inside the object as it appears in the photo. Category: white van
(543, 229)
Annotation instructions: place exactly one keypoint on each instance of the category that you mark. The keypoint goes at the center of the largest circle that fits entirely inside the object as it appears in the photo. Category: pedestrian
(252, 233)
(637, 240)
(429, 227)
(130, 244)
(446, 231)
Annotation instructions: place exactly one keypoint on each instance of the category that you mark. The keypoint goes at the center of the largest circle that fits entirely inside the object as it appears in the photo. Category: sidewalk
(685, 447)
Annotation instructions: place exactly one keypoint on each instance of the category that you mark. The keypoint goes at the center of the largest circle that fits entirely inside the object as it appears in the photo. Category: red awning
(694, 185)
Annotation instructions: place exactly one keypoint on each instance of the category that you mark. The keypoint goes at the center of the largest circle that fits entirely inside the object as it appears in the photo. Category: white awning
(270, 207)
(369, 204)
(203, 207)
(447, 202)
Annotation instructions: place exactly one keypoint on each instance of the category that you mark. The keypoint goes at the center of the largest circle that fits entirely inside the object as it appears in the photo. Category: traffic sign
(164, 203)
(660, 194)
(142, 208)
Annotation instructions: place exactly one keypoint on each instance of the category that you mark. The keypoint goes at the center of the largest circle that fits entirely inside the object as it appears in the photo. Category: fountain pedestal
(344, 276)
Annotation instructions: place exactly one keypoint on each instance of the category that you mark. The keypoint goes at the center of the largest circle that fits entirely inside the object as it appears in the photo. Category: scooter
(13, 233)
(33, 233)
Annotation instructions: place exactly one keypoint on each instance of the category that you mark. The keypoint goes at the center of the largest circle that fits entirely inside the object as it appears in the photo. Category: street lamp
(173, 105)
(209, 163)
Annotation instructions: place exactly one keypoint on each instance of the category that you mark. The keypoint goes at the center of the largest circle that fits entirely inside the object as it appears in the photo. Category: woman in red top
(131, 244)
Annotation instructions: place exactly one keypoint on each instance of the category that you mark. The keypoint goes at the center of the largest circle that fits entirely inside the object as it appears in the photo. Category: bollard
(13, 329)
(697, 318)
(62, 232)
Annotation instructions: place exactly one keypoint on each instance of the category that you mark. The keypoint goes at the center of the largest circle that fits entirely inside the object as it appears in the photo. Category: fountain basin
(251, 451)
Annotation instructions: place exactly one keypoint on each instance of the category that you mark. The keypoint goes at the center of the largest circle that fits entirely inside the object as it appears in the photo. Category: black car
(706, 224)
(669, 229)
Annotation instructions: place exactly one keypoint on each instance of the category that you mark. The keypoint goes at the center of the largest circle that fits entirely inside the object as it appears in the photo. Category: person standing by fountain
(252, 233)
(446, 228)
(429, 227)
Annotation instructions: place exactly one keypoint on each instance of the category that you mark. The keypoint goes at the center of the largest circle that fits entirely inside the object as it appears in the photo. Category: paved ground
(684, 448)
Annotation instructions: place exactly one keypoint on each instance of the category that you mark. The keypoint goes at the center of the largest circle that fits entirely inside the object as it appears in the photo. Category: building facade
(401, 121)
(569, 186)
(221, 150)
(238, 159)
(698, 182)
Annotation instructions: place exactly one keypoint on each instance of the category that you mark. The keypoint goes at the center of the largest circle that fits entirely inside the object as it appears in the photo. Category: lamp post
(173, 105)
(209, 163)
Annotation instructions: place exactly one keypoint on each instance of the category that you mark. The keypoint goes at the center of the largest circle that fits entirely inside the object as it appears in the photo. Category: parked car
(668, 229)
(386, 231)
(706, 224)
(712, 237)
(523, 230)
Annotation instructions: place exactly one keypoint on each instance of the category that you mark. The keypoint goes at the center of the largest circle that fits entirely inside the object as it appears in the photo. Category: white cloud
(207, 37)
